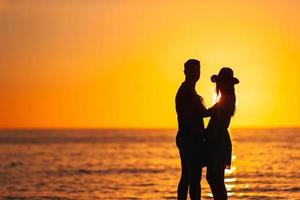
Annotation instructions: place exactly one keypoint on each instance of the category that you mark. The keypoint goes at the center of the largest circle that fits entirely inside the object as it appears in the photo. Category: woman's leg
(215, 178)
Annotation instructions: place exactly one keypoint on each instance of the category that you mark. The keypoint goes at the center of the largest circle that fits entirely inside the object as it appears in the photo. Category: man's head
(192, 70)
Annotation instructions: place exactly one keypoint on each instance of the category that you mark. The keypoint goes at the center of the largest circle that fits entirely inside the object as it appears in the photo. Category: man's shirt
(190, 111)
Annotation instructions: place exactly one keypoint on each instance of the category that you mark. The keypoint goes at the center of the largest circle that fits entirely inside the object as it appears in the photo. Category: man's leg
(195, 177)
(183, 184)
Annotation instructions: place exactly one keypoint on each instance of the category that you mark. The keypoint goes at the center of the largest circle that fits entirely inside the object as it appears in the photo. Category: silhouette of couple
(200, 147)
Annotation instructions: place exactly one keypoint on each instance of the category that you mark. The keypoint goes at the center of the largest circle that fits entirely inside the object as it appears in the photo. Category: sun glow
(216, 97)
(118, 64)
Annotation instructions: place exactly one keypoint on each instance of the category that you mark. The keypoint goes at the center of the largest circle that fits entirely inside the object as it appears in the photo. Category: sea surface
(139, 164)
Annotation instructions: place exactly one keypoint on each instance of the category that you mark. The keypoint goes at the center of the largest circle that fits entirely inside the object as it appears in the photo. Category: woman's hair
(226, 89)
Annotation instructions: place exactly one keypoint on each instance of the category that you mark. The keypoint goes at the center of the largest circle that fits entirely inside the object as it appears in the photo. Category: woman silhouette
(218, 139)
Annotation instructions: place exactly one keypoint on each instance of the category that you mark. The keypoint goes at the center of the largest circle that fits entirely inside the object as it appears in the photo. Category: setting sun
(216, 97)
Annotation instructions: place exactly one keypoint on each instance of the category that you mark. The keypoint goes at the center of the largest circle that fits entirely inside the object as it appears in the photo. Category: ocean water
(139, 164)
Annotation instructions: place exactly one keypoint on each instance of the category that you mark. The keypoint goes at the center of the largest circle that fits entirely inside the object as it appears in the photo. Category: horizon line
(136, 128)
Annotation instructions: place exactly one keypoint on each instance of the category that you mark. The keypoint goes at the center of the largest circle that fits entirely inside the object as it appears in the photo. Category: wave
(64, 172)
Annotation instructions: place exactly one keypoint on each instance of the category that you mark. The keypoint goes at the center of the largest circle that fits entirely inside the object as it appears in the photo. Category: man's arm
(201, 109)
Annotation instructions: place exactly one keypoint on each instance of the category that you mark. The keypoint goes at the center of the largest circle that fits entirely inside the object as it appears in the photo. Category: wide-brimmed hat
(225, 75)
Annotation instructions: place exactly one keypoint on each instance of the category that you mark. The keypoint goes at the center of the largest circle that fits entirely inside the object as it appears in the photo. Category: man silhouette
(190, 136)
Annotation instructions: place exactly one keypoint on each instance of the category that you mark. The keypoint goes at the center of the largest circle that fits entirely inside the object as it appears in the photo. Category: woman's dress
(219, 147)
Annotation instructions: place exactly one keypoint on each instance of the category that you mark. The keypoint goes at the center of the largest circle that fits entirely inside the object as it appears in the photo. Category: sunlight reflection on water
(140, 164)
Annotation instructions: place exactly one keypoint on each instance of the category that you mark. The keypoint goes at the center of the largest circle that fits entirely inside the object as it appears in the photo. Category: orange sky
(118, 64)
